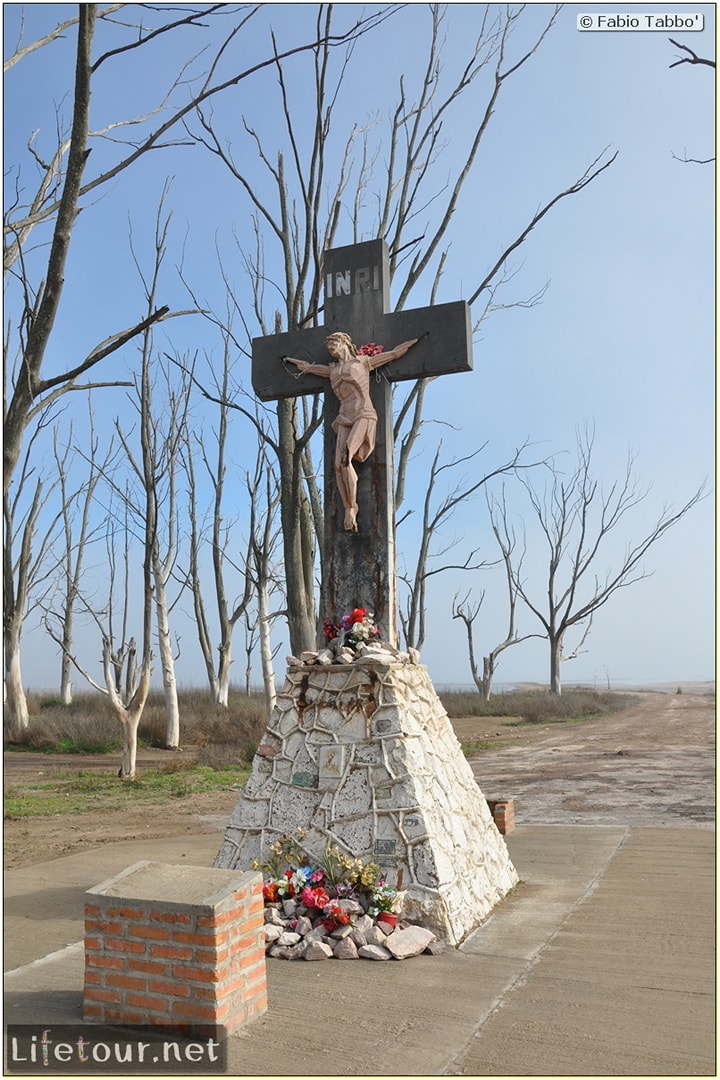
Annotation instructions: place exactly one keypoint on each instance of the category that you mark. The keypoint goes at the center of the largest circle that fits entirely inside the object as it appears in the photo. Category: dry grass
(224, 736)
(537, 706)
(89, 727)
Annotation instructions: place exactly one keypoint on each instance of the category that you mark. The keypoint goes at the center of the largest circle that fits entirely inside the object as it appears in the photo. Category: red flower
(357, 615)
(270, 892)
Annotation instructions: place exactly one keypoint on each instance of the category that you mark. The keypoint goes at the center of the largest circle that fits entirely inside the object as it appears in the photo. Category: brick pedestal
(503, 812)
(175, 946)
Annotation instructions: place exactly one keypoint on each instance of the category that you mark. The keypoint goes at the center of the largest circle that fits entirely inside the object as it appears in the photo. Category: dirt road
(654, 761)
(652, 764)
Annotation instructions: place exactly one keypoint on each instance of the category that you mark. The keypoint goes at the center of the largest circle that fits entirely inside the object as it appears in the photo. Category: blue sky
(624, 338)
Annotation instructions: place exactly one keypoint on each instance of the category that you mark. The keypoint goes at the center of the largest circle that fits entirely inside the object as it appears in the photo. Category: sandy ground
(654, 761)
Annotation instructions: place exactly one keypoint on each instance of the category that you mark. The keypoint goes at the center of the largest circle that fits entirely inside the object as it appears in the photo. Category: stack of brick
(503, 812)
(180, 947)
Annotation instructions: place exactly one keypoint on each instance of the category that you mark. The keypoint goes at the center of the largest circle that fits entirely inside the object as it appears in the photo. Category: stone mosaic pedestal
(363, 755)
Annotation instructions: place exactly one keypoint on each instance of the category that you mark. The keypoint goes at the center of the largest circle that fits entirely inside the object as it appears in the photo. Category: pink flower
(314, 898)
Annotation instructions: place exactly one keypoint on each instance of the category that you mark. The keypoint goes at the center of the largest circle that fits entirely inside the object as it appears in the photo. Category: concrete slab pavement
(601, 962)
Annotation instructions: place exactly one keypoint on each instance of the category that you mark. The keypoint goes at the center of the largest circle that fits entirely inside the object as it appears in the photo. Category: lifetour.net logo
(93, 1050)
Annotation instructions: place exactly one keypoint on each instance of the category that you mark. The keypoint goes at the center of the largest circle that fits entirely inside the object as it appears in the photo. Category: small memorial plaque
(305, 779)
(385, 847)
(383, 793)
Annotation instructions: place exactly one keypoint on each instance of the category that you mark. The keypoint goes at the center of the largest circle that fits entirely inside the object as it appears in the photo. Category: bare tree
(577, 520)
(468, 612)
(436, 513)
(23, 569)
(215, 462)
(263, 539)
(126, 677)
(691, 57)
(156, 514)
(255, 566)
(301, 212)
(55, 205)
(75, 542)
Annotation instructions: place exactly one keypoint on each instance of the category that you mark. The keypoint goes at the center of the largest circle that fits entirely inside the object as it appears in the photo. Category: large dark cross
(359, 567)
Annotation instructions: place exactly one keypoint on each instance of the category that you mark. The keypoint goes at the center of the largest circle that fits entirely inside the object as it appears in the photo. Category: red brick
(155, 932)
(174, 989)
(170, 916)
(124, 946)
(218, 920)
(208, 940)
(142, 1001)
(253, 990)
(115, 962)
(128, 982)
(94, 925)
(173, 952)
(92, 909)
(203, 1012)
(256, 970)
(238, 986)
(91, 1010)
(92, 943)
(103, 995)
(259, 1005)
(152, 967)
(125, 913)
(180, 971)
(240, 895)
(124, 1016)
(250, 941)
(211, 956)
(93, 977)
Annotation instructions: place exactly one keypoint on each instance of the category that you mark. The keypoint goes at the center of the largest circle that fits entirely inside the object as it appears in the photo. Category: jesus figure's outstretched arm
(394, 354)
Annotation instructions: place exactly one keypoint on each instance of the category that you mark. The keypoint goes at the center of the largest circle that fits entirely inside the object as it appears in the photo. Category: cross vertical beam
(359, 567)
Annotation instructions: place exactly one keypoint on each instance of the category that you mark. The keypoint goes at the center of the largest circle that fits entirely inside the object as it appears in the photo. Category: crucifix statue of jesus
(359, 528)
(356, 424)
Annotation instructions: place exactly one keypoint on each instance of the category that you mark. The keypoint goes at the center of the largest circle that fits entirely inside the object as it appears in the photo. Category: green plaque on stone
(305, 779)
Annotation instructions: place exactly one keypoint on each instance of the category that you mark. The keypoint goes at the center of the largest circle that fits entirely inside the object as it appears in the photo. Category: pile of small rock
(376, 652)
(295, 932)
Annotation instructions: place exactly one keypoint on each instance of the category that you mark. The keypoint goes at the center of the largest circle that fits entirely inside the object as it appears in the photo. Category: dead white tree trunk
(23, 560)
(162, 434)
(75, 544)
(228, 614)
(263, 539)
(17, 717)
(128, 714)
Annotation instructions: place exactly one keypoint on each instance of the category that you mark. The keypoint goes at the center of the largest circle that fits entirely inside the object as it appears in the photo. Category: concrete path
(600, 963)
